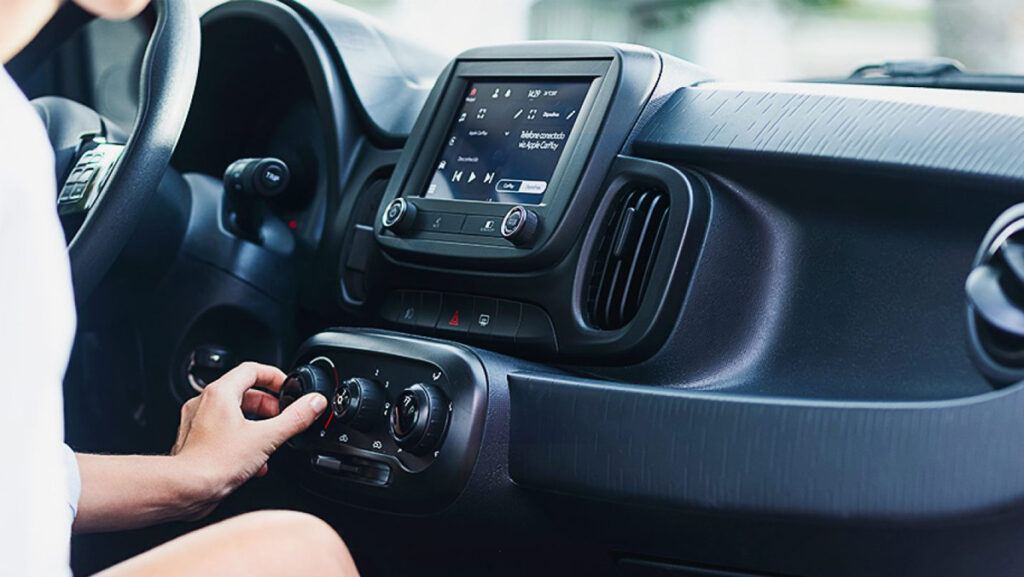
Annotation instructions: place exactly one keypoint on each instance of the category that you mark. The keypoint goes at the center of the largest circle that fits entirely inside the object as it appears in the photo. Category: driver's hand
(219, 449)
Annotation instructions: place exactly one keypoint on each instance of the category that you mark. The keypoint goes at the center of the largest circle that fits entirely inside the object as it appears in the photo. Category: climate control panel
(404, 414)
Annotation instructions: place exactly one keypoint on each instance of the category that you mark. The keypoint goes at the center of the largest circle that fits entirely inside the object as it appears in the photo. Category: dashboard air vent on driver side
(621, 265)
(995, 300)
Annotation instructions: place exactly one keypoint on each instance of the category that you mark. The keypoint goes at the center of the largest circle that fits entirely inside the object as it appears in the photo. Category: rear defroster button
(520, 225)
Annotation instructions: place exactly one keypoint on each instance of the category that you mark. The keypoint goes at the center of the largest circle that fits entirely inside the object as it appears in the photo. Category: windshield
(742, 39)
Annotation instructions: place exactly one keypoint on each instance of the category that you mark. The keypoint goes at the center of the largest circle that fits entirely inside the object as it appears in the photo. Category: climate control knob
(419, 418)
(306, 379)
(358, 402)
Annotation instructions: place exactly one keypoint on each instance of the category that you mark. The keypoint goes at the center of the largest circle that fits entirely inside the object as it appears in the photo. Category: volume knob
(520, 226)
(398, 216)
(358, 403)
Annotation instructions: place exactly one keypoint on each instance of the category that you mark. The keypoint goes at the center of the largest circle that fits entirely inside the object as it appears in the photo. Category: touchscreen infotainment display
(506, 140)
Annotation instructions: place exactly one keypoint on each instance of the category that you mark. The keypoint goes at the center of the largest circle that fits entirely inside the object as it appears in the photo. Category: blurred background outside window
(741, 39)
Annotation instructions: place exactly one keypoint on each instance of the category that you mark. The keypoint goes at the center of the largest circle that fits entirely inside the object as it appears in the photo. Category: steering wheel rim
(167, 83)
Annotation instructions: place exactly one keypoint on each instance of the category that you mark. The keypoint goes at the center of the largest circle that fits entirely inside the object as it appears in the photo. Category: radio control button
(520, 225)
(482, 225)
(440, 222)
(399, 215)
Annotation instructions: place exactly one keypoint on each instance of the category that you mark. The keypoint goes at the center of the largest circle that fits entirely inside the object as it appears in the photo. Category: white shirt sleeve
(37, 317)
(72, 481)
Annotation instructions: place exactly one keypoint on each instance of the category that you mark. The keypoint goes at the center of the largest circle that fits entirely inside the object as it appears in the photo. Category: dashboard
(582, 308)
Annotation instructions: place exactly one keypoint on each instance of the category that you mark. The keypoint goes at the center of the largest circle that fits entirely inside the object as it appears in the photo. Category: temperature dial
(419, 419)
(358, 402)
(303, 380)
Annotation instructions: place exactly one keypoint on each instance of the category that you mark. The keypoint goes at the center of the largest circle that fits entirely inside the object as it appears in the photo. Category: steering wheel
(105, 178)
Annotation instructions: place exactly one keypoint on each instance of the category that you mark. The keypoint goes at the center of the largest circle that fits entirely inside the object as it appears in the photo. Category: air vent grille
(995, 302)
(621, 266)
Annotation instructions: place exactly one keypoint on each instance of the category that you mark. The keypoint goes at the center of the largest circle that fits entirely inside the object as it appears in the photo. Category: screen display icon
(506, 140)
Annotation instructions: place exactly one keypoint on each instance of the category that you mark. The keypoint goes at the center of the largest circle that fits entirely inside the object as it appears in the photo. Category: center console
(513, 220)
(510, 148)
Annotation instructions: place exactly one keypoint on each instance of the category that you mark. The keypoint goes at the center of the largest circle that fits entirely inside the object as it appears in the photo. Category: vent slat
(622, 264)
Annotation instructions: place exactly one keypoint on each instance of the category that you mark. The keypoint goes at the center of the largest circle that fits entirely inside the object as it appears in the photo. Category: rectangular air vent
(622, 263)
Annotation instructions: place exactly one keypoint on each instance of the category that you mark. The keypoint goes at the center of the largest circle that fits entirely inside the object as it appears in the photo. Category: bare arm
(217, 450)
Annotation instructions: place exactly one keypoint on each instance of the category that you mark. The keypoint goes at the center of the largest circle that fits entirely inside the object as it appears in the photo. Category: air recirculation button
(419, 419)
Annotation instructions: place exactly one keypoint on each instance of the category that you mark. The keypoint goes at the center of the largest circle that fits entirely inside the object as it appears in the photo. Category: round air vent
(995, 300)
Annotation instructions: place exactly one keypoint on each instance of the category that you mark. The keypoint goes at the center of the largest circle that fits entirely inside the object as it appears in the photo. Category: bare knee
(311, 543)
(263, 544)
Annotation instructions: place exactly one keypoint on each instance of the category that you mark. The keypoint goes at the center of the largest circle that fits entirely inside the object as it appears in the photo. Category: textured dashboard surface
(689, 450)
(973, 133)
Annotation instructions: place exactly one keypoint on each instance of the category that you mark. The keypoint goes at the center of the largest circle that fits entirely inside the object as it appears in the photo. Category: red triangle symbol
(454, 320)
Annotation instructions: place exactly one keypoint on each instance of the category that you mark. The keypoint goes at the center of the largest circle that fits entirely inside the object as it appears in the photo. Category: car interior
(579, 308)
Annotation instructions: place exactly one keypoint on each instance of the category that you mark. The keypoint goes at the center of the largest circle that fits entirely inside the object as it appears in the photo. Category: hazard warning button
(456, 313)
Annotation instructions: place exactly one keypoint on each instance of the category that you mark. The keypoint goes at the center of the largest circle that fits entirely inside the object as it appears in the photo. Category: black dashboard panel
(881, 461)
(791, 394)
(971, 134)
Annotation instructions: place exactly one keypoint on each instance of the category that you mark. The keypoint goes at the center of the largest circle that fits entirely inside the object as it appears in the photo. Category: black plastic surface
(942, 131)
(686, 450)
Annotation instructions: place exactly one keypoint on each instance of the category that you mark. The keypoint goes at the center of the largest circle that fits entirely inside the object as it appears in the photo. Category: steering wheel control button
(456, 314)
(358, 403)
(88, 175)
(307, 379)
(419, 419)
(399, 215)
(257, 177)
(520, 225)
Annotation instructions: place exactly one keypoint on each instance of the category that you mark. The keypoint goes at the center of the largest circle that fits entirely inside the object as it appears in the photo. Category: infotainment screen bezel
(567, 171)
